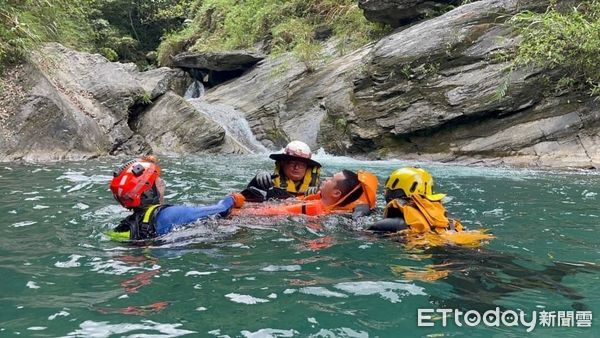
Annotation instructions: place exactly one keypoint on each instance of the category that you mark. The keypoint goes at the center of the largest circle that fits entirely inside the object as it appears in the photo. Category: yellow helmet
(428, 182)
(407, 181)
(403, 182)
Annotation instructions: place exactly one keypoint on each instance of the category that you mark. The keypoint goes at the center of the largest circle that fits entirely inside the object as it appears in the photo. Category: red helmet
(133, 184)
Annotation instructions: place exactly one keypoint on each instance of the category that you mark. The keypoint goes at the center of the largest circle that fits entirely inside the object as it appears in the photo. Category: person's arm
(388, 225)
(361, 210)
(175, 215)
(263, 181)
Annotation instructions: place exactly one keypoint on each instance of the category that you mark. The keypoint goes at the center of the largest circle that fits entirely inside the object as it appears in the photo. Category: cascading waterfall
(233, 121)
(195, 90)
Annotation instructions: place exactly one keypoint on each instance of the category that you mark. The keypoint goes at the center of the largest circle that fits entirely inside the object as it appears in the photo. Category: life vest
(311, 179)
(138, 226)
(421, 214)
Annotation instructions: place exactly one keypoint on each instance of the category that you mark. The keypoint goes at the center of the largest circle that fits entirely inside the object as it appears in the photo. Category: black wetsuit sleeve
(388, 225)
(253, 183)
(361, 210)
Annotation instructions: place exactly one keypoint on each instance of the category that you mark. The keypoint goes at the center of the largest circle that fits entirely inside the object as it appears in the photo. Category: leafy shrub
(282, 25)
(568, 40)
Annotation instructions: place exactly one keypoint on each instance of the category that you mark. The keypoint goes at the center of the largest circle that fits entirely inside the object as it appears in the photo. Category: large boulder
(67, 104)
(172, 126)
(400, 12)
(218, 61)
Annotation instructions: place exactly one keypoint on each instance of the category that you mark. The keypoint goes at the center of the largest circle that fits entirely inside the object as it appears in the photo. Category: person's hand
(264, 180)
(253, 194)
(238, 199)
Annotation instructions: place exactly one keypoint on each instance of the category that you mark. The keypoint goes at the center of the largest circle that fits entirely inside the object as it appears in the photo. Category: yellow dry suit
(428, 224)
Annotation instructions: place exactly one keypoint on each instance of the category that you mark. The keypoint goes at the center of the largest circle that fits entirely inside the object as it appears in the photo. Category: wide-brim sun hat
(296, 151)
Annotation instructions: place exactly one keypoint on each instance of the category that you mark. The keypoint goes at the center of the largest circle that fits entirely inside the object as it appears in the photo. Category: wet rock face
(436, 90)
(400, 12)
(430, 91)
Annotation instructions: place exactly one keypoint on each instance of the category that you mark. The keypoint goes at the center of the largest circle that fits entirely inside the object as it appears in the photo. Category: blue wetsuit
(173, 216)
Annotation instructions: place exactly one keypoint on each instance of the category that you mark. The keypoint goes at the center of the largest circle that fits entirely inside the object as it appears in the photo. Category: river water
(292, 277)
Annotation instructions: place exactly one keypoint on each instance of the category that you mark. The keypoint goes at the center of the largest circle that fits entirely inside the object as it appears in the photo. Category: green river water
(291, 277)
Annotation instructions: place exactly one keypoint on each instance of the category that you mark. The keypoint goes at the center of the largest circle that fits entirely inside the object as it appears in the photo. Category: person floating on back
(295, 174)
(138, 187)
(413, 210)
(345, 192)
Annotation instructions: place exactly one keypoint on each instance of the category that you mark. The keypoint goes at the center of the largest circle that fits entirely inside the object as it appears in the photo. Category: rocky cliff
(436, 88)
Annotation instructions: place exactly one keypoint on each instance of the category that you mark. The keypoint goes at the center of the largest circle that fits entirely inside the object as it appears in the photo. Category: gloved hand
(253, 194)
(238, 199)
(311, 190)
(264, 180)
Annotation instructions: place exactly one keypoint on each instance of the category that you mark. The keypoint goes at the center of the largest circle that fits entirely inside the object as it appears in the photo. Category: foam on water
(32, 285)
(71, 263)
(104, 329)
(23, 224)
(321, 291)
(267, 333)
(245, 299)
(199, 273)
(391, 291)
(272, 268)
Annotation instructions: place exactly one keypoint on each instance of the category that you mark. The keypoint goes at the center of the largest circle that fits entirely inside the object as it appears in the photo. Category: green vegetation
(127, 30)
(24, 24)
(281, 25)
(119, 29)
(568, 40)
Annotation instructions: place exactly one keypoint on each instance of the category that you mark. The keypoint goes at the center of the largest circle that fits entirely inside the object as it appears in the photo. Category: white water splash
(71, 263)
(39, 207)
(272, 268)
(245, 299)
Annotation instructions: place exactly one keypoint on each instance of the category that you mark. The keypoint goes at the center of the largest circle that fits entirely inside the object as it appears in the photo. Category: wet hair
(349, 183)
